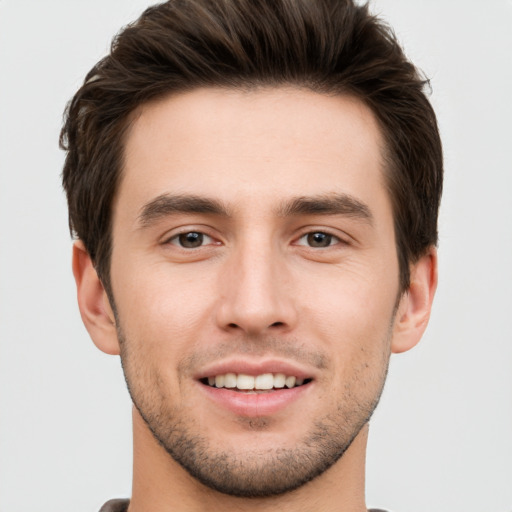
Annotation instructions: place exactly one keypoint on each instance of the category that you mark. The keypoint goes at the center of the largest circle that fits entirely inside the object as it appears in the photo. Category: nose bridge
(255, 292)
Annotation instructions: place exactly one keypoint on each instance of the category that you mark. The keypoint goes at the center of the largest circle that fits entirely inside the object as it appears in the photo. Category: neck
(160, 484)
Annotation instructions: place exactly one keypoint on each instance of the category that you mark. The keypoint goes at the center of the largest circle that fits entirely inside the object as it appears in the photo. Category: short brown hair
(328, 46)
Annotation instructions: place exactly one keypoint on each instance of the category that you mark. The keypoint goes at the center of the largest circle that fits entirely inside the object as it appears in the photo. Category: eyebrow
(328, 204)
(167, 204)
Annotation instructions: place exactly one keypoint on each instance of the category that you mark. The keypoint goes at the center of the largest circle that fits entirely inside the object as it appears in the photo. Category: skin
(257, 290)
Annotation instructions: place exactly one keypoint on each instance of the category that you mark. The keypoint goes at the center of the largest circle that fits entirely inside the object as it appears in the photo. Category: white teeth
(230, 380)
(279, 380)
(290, 382)
(244, 381)
(265, 381)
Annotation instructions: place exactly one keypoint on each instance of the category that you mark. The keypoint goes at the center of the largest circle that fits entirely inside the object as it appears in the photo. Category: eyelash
(198, 236)
(326, 235)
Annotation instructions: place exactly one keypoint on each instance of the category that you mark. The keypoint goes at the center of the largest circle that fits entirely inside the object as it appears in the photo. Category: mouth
(254, 388)
(254, 384)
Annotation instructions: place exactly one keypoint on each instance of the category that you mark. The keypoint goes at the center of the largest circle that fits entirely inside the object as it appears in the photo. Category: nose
(256, 292)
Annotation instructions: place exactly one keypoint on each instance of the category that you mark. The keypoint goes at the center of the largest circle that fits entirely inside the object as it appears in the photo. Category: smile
(247, 383)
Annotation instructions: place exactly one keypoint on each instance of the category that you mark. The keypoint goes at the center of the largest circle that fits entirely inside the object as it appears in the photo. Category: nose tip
(256, 298)
(255, 315)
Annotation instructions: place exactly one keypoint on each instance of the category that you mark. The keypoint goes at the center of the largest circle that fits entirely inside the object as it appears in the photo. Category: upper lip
(254, 368)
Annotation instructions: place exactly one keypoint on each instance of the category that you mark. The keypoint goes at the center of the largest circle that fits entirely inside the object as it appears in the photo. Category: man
(254, 189)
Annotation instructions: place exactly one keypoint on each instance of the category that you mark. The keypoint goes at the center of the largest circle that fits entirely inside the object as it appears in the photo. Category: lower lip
(254, 405)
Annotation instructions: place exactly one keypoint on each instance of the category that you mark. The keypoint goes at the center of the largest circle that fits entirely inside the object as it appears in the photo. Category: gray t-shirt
(122, 506)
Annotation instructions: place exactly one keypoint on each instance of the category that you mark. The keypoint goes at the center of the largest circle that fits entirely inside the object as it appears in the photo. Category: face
(255, 279)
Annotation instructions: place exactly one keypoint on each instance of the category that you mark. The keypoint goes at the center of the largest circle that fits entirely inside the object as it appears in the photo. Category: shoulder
(115, 506)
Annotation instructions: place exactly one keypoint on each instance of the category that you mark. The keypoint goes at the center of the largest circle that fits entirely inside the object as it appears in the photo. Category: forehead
(263, 143)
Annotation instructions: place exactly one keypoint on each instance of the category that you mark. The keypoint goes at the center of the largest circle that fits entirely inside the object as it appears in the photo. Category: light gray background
(441, 439)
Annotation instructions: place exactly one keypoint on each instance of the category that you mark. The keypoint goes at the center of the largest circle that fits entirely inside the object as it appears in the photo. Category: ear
(95, 309)
(416, 303)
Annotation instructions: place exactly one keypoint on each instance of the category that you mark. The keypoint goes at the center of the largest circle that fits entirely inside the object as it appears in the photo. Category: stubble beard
(253, 473)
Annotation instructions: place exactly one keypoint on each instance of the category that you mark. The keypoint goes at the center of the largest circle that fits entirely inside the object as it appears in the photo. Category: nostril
(235, 326)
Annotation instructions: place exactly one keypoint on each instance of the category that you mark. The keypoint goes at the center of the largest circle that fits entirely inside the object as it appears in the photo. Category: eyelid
(340, 238)
(172, 235)
(174, 240)
(334, 239)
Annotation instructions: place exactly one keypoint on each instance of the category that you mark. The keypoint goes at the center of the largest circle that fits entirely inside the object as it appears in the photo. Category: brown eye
(319, 239)
(189, 240)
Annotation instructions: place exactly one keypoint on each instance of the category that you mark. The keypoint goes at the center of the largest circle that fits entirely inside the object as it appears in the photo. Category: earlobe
(416, 303)
(93, 302)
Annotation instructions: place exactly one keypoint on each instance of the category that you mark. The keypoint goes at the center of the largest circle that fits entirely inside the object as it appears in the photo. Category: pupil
(319, 239)
(192, 239)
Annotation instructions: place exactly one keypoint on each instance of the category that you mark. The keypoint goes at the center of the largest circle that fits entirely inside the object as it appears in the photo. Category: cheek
(161, 292)
(351, 314)
(351, 298)
(162, 310)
